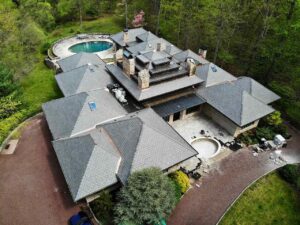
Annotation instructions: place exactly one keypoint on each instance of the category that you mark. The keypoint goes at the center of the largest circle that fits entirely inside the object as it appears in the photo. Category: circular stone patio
(61, 50)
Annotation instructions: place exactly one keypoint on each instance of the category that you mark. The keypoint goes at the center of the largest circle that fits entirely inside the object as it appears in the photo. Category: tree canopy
(148, 197)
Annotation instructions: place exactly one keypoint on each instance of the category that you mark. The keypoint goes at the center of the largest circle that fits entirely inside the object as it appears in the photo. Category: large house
(99, 142)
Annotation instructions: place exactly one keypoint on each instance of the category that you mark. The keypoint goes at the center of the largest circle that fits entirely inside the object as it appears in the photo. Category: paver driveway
(32, 187)
(218, 190)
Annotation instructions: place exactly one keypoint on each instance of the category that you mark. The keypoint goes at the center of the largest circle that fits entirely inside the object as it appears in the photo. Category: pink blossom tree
(138, 19)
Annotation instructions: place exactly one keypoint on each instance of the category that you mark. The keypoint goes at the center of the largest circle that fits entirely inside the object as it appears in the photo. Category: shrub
(103, 207)
(177, 189)
(274, 119)
(265, 132)
(8, 106)
(45, 47)
(182, 180)
(291, 173)
(247, 138)
(7, 84)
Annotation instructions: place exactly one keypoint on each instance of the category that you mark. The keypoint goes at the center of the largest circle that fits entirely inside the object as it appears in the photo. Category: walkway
(218, 190)
(32, 187)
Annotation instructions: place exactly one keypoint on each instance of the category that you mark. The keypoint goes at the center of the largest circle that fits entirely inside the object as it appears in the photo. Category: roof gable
(125, 135)
(72, 115)
(89, 163)
(251, 106)
(212, 74)
(234, 103)
(84, 78)
(257, 90)
(79, 59)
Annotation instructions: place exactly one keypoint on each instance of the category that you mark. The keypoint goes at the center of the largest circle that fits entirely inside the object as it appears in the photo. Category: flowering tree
(138, 19)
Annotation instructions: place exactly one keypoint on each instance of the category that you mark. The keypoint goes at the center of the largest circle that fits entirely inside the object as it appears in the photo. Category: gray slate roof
(151, 45)
(132, 33)
(71, 115)
(235, 103)
(184, 55)
(257, 90)
(154, 90)
(84, 78)
(89, 163)
(212, 74)
(114, 150)
(145, 140)
(79, 59)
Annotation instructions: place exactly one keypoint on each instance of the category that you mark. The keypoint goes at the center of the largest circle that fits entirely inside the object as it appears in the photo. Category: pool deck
(61, 48)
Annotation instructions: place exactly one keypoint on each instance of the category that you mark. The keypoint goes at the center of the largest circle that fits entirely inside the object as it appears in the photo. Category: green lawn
(39, 85)
(269, 201)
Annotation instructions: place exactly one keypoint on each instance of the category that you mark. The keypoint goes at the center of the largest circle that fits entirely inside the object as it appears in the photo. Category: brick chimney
(202, 53)
(143, 79)
(125, 36)
(191, 67)
(129, 66)
(160, 46)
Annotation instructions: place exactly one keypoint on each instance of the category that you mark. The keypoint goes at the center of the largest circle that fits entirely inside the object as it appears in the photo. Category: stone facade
(160, 46)
(191, 67)
(128, 66)
(143, 79)
(226, 123)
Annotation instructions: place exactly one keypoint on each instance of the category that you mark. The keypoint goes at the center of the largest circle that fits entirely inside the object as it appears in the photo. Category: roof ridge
(82, 107)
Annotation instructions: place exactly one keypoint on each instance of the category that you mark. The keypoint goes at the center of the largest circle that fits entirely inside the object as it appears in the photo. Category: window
(92, 106)
(192, 109)
(176, 116)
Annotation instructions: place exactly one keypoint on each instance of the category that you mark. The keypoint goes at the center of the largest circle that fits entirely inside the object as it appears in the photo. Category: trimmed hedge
(291, 173)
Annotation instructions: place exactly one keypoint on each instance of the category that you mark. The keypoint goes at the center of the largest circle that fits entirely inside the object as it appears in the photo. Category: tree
(148, 197)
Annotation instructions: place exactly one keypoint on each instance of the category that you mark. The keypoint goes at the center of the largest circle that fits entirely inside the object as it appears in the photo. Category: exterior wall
(184, 115)
(181, 164)
(242, 130)
(226, 123)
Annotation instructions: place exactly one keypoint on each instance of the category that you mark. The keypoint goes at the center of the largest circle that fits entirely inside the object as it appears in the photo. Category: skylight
(92, 106)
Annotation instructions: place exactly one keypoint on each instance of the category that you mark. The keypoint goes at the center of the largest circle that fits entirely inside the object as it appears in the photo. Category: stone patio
(190, 128)
(61, 48)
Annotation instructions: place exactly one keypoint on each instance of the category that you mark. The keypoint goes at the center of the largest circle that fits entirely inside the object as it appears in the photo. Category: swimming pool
(91, 46)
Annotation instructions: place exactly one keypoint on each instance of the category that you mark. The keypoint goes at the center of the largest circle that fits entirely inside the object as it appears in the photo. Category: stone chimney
(191, 67)
(125, 36)
(119, 55)
(202, 53)
(160, 46)
(129, 66)
(143, 79)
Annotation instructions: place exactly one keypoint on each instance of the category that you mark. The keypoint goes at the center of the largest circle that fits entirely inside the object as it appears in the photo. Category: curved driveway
(32, 187)
(219, 189)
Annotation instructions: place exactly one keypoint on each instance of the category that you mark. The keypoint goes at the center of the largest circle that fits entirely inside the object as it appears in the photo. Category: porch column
(171, 118)
(182, 114)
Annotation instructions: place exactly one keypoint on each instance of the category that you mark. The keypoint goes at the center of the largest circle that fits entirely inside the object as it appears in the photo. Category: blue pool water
(92, 46)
